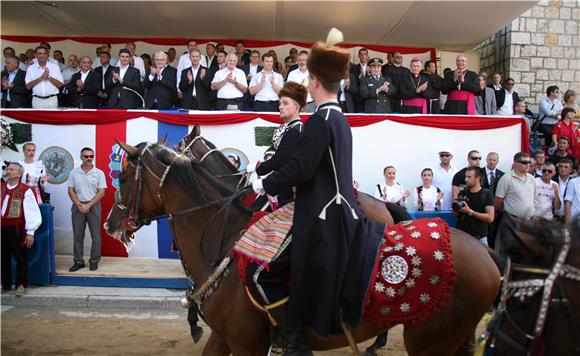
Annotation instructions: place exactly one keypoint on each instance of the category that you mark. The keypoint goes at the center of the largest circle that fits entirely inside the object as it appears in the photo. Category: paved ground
(109, 321)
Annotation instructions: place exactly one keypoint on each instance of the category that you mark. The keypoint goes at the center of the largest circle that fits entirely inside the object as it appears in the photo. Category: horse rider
(329, 230)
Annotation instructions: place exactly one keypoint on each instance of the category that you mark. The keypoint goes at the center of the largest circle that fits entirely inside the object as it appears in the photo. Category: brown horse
(539, 310)
(158, 182)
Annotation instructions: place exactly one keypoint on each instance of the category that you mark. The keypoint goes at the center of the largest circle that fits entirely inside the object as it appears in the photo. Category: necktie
(491, 178)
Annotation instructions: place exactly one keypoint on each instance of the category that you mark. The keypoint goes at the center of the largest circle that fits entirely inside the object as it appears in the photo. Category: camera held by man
(474, 206)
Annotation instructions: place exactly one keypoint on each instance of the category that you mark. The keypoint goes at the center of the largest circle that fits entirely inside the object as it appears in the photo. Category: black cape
(332, 258)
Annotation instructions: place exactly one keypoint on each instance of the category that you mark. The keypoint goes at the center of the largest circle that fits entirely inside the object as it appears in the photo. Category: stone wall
(538, 49)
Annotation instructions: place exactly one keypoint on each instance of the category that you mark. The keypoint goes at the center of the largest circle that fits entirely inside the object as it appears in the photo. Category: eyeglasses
(525, 162)
(547, 171)
(444, 154)
(475, 158)
(89, 156)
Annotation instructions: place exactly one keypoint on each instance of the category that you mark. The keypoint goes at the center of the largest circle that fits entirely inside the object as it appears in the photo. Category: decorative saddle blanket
(413, 275)
(262, 240)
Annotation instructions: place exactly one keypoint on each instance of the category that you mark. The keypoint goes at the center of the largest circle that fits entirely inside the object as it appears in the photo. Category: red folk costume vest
(14, 215)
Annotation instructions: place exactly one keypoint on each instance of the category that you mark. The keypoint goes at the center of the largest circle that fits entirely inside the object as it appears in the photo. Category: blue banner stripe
(164, 237)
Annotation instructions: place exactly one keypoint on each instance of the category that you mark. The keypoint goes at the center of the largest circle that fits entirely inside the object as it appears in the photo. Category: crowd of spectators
(535, 188)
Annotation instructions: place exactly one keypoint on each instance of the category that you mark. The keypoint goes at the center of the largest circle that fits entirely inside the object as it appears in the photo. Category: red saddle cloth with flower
(413, 275)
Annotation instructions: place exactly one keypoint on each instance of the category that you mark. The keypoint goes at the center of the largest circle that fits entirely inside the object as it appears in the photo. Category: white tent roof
(446, 25)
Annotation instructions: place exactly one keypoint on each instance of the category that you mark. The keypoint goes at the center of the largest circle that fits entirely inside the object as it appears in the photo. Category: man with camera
(474, 206)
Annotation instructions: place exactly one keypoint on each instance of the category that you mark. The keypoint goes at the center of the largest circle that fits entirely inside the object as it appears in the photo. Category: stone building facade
(538, 49)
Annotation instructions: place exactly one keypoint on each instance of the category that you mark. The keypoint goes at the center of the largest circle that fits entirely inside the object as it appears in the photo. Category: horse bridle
(527, 288)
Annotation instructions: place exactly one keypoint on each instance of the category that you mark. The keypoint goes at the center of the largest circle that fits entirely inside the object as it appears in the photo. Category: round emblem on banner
(236, 154)
(58, 163)
(394, 269)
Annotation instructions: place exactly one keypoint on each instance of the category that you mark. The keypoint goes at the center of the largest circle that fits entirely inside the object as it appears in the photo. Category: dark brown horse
(539, 310)
(206, 217)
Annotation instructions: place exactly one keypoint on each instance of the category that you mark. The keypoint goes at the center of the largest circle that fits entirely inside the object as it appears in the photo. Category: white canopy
(445, 25)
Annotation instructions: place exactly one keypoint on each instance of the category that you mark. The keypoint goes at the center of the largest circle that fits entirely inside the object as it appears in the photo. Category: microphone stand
(136, 93)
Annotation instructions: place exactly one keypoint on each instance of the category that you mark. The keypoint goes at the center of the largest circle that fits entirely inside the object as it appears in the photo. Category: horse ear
(163, 140)
(196, 131)
(131, 150)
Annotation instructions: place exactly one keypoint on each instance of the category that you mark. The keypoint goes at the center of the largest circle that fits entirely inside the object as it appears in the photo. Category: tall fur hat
(328, 62)
(295, 91)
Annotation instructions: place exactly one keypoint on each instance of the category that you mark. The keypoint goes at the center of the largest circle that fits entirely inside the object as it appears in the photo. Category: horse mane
(186, 170)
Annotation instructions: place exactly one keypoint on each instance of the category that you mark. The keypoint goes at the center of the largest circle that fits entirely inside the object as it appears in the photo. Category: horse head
(196, 146)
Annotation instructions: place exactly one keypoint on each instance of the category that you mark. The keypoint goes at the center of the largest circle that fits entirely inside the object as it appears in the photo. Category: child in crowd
(392, 191)
(429, 197)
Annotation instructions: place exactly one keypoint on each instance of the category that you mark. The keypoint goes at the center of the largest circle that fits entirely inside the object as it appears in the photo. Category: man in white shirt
(46, 45)
(572, 200)
(172, 58)
(86, 188)
(44, 79)
(300, 76)
(59, 58)
(97, 61)
(136, 61)
(20, 219)
(507, 99)
(563, 179)
(547, 196)
(266, 85)
(230, 84)
(185, 61)
(73, 67)
(443, 177)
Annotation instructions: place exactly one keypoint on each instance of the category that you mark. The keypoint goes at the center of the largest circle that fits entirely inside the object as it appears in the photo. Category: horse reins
(522, 289)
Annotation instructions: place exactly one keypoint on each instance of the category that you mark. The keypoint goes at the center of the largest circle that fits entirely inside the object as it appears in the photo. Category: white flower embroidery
(439, 256)
(416, 272)
(416, 234)
(410, 283)
(392, 232)
(424, 298)
(416, 261)
(398, 237)
(435, 235)
(432, 224)
(379, 287)
(411, 250)
(412, 227)
(385, 311)
(390, 292)
(402, 291)
(388, 249)
(434, 279)
(399, 247)
(405, 307)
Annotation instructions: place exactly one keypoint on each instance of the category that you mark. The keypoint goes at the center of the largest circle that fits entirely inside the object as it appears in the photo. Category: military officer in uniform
(376, 90)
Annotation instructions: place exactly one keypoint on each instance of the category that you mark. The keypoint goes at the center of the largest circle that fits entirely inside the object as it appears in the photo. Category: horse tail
(398, 212)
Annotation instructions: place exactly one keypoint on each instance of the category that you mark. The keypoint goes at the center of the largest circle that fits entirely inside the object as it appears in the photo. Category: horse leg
(476, 287)
(216, 346)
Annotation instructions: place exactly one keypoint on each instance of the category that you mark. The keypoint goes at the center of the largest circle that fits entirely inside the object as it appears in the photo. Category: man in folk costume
(20, 219)
(292, 99)
(461, 87)
(331, 236)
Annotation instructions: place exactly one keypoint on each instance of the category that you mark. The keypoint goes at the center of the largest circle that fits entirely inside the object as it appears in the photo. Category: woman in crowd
(392, 191)
(277, 66)
(570, 102)
(287, 65)
(429, 197)
(146, 61)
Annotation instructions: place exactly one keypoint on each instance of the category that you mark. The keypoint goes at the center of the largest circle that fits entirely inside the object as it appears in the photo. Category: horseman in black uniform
(331, 237)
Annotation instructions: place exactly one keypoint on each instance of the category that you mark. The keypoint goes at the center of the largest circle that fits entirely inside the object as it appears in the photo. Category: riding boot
(278, 315)
(192, 319)
(296, 343)
(380, 341)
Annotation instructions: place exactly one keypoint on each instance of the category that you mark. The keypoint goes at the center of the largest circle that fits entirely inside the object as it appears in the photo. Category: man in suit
(184, 61)
(377, 90)
(220, 60)
(104, 74)
(160, 83)
(84, 86)
(210, 57)
(124, 82)
(348, 92)
(195, 84)
(14, 91)
(241, 53)
(491, 176)
(461, 87)
(495, 84)
(507, 98)
(251, 69)
(485, 103)
(395, 70)
(359, 71)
